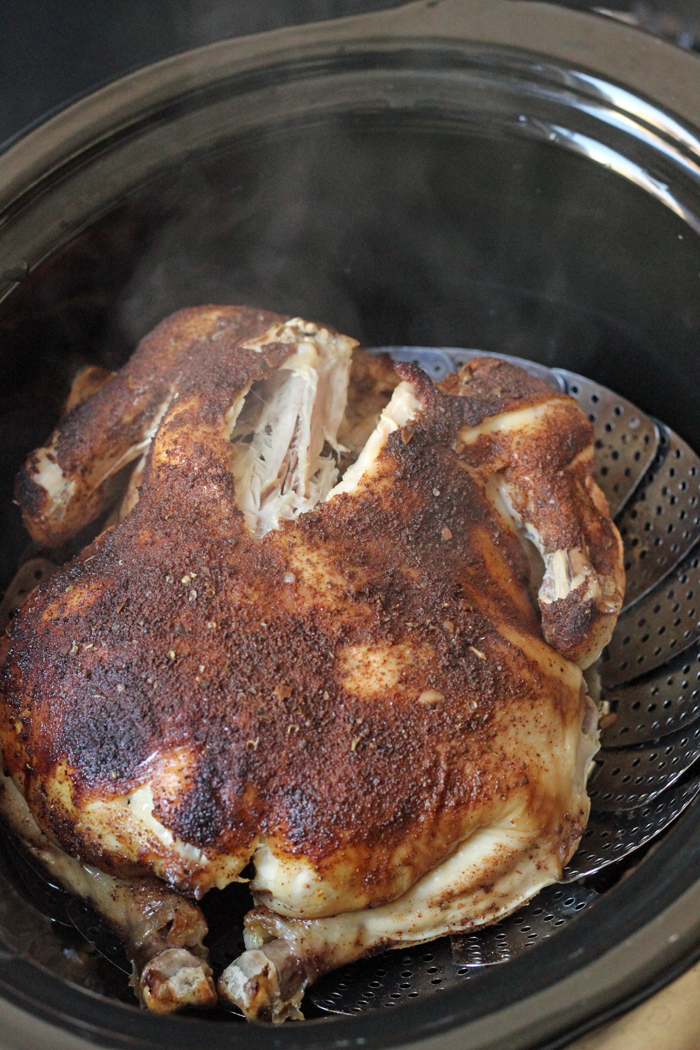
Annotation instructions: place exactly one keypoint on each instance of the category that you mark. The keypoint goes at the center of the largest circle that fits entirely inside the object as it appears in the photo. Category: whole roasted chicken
(312, 636)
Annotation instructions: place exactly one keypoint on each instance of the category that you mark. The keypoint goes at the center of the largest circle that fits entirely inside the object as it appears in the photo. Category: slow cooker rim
(23, 158)
(657, 69)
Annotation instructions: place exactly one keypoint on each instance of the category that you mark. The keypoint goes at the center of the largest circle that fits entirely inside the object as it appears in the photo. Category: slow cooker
(501, 175)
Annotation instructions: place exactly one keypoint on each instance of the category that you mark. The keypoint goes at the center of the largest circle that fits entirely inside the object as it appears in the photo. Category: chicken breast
(343, 679)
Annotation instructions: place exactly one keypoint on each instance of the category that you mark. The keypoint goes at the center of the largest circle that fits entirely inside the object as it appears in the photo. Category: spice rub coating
(346, 699)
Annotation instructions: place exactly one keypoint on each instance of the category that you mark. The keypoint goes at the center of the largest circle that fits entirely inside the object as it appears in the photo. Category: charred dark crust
(104, 669)
(31, 497)
(568, 622)
(371, 374)
(491, 386)
(86, 382)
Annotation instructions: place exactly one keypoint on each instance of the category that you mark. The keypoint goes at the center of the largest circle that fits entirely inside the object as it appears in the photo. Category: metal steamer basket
(510, 176)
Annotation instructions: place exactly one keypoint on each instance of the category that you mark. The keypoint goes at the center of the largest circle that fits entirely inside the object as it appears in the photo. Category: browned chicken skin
(346, 681)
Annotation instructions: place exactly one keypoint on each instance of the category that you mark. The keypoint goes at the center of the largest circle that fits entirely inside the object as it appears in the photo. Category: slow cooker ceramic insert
(445, 177)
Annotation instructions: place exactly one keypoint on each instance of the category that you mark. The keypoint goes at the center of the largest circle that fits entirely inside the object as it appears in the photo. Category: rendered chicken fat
(306, 638)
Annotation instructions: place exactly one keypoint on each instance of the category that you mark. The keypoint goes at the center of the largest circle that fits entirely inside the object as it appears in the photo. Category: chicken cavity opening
(285, 443)
(287, 454)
